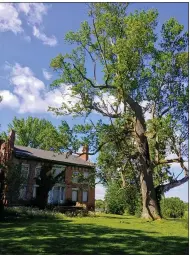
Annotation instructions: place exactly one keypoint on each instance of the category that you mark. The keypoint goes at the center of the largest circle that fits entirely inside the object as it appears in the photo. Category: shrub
(100, 205)
(172, 207)
(31, 213)
(119, 200)
(115, 199)
(138, 208)
(186, 220)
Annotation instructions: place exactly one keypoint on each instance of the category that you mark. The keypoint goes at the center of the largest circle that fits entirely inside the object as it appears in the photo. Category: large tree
(133, 72)
(40, 133)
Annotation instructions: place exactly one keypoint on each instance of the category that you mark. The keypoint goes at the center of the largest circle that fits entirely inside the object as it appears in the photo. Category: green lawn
(106, 234)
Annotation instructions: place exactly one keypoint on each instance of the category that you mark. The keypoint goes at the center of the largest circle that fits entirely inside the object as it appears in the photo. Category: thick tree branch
(94, 152)
(95, 107)
(166, 187)
(168, 161)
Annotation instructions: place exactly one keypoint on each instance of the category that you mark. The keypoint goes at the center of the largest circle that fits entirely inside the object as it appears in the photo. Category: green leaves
(39, 133)
(172, 40)
(118, 63)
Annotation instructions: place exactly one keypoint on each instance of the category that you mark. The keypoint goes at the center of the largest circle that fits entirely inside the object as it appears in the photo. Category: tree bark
(149, 199)
(150, 205)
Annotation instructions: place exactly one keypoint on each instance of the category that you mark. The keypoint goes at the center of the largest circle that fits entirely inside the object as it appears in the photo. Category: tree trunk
(41, 198)
(149, 200)
(150, 208)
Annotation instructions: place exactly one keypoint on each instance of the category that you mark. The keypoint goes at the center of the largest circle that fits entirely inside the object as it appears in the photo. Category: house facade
(69, 188)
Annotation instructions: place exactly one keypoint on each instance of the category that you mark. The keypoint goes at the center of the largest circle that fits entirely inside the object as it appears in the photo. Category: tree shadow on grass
(113, 217)
(67, 238)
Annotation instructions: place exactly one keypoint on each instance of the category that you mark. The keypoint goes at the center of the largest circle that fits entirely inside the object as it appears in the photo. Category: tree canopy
(121, 69)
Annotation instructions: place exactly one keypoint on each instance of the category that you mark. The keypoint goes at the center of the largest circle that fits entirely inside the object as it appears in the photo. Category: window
(22, 193)
(56, 170)
(37, 171)
(74, 195)
(25, 171)
(84, 196)
(62, 194)
(75, 177)
(34, 190)
(56, 195)
(85, 175)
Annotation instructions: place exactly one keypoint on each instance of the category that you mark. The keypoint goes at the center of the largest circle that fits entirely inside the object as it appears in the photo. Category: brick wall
(68, 182)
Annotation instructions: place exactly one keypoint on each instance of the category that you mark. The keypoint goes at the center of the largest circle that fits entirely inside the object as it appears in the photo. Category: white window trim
(34, 190)
(75, 176)
(60, 186)
(86, 175)
(23, 186)
(36, 170)
(87, 196)
(77, 194)
(26, 165)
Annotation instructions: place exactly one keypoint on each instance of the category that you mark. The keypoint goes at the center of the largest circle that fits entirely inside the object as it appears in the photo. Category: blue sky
(30, 36)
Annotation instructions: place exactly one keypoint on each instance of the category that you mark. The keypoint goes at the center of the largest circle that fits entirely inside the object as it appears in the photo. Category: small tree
(172, 207)
(100, 204)
(115, 199)
(14, 179)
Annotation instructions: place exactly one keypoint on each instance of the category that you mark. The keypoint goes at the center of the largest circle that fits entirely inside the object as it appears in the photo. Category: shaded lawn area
(107, 234)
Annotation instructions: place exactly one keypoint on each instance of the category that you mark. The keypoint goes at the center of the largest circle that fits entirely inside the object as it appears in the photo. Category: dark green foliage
(186, 206)
(119, 200)
(172, 207)
(40, 133)
(115, 199)
(186, 220)
(100, 205)
(14, 180)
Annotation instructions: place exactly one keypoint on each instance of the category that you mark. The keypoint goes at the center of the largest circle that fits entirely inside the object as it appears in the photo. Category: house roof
(27, 152)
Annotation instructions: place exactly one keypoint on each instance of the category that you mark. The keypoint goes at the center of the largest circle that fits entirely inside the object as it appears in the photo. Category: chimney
(7, 147)
(12, 138)
(85, 151)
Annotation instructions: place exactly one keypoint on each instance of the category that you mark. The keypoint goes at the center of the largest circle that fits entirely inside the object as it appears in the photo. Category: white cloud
(9, 99)
(33, 11)
(51, 41)
(30, 95)
(100, 191)
(106, 103)
(9, 19)
(47, 75)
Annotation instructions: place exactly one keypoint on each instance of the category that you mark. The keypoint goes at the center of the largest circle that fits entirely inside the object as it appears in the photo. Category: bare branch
(165, 111)
(102, 52)
(168, 161)
(91, 83)
(94, 106)
(94, 152)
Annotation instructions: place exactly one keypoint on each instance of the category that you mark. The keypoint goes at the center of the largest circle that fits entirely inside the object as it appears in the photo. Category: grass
(103, 234)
